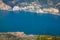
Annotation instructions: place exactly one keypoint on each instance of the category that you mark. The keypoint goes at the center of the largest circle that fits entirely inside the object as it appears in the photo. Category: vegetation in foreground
(8, 36)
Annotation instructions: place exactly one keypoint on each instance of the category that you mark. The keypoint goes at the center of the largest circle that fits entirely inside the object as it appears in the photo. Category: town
(30, 7)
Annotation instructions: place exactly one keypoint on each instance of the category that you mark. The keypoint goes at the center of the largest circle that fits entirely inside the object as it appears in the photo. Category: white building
(16, 8)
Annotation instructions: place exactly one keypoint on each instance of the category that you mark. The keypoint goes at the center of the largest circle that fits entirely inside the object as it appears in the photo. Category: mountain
(12, 3)
(38, 6)
(15, 2)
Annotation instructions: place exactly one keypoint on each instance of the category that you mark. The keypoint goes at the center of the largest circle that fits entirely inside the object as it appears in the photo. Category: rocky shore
(23, 36)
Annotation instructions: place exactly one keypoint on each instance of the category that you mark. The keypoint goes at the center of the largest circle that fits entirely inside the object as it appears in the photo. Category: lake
(29, 22)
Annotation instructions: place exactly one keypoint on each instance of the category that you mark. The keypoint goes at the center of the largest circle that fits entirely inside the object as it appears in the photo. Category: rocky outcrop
(3, 6)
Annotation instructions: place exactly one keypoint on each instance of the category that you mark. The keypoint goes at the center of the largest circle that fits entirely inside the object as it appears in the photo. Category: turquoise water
(30, 23)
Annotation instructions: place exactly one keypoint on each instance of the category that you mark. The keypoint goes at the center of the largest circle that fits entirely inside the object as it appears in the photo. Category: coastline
(23, 36)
